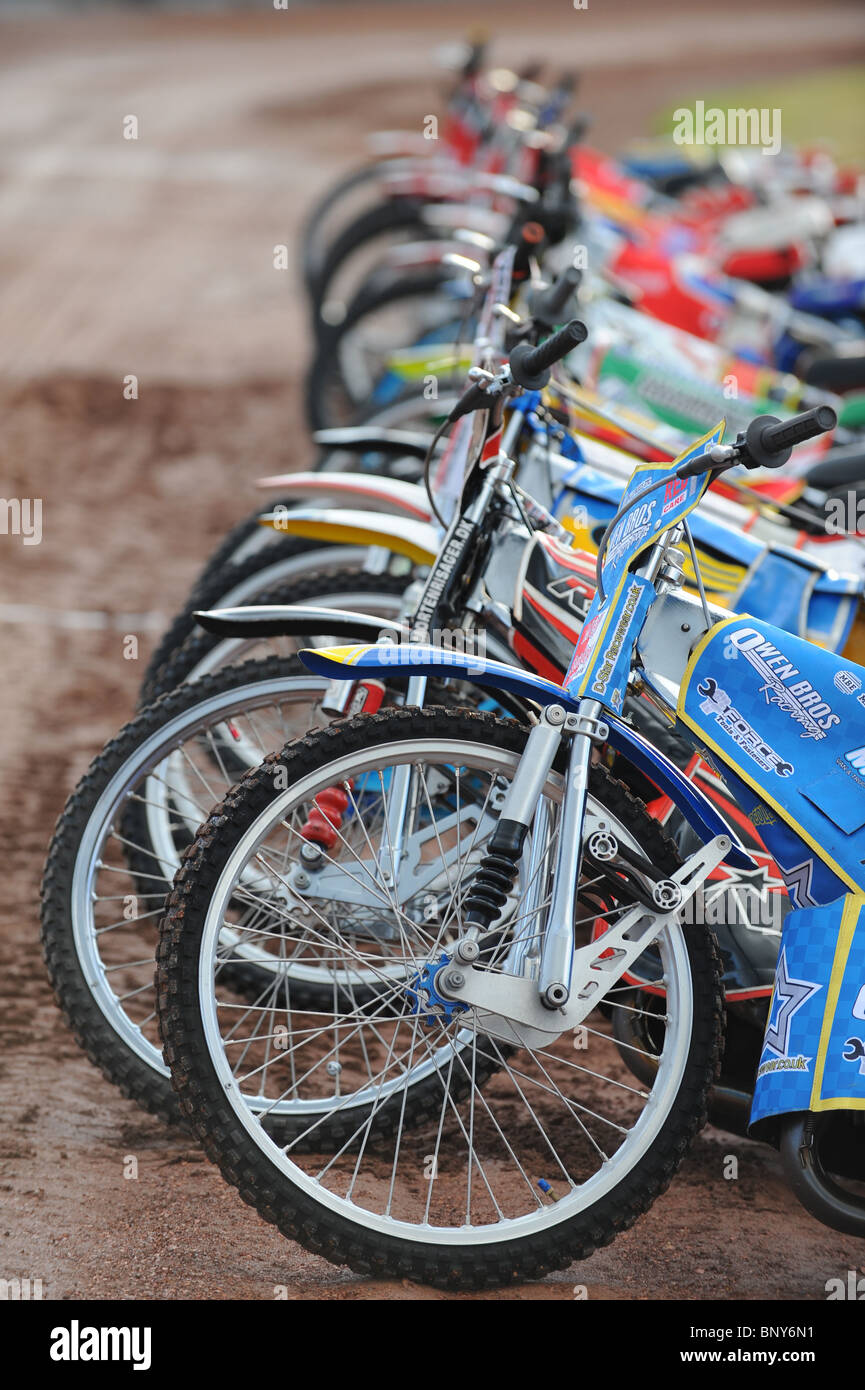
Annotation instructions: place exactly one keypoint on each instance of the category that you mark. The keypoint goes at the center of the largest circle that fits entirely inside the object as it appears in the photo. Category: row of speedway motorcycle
(495, 807)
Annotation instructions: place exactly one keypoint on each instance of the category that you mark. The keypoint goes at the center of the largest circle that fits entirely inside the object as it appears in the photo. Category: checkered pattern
(843, 1077)
(808, 944)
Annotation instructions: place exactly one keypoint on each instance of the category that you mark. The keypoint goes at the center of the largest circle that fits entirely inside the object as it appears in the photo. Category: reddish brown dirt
(167, 275)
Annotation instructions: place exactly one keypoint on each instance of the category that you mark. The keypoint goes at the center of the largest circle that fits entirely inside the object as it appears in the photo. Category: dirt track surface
(156, 259)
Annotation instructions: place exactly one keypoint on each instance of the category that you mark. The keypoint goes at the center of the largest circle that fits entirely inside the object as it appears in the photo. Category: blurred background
(154, 258)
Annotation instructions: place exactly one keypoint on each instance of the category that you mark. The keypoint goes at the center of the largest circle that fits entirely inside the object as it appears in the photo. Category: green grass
(824, 107)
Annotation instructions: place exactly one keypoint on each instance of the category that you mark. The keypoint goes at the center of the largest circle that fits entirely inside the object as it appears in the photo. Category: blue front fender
(420, 660)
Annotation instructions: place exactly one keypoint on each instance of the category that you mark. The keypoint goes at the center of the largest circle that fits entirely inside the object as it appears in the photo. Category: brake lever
(722, 456)
(485, 390)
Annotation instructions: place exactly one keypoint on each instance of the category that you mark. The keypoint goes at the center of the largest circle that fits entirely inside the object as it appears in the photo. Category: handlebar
(530, 367)
(549, 306)
(769, 442)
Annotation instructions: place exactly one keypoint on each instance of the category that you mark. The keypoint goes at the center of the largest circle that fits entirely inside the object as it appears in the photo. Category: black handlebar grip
(549, 306)
(769, 442)
(808, 425)
(530, 367)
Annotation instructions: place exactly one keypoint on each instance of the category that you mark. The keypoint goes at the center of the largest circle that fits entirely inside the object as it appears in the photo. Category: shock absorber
(498, 866)
(324, 820)
(495, 876)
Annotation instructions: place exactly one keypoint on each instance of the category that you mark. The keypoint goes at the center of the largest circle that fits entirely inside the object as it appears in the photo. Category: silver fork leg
(398, 800)
(554, 981)
(525, 955)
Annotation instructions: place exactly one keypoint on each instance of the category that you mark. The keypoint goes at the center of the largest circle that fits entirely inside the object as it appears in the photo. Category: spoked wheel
(118, 845)
(401, 1132)
(351, 370)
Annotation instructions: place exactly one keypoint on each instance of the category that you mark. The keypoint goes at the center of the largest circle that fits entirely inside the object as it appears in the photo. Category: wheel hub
(425, 999)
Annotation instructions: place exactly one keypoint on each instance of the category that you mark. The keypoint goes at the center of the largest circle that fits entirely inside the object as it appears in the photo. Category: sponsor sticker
(673, 494)
(799, 1063)
(605, 670)
(854, 1051)
(583, 650)
(779, 684)
(856, 759)
(631, 531)
(717, 703)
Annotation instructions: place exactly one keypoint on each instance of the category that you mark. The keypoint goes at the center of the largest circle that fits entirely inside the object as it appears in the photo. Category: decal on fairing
(601, 663)
(788, 997)
(782, 683)
(813, 1048)
(717, 705)
(783, 701)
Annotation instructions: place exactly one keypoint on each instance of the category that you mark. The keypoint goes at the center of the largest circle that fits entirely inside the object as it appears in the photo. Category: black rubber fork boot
(496, 873)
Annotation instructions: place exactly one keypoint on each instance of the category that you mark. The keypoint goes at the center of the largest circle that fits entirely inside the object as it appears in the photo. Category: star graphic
(788, 998)
(798, 880)
(764, 878)
(740, 887)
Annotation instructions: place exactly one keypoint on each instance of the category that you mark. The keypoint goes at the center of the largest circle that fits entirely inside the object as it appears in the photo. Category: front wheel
(402, 1135)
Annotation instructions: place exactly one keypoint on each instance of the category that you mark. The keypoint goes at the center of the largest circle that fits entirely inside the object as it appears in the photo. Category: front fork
(398, 804)
(519, 811)
(554, 983)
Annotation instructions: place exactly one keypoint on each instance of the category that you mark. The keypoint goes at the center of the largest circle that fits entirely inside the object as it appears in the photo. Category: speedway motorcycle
(678, 261)
(535, 1020)
(512, 580)
(385, 461)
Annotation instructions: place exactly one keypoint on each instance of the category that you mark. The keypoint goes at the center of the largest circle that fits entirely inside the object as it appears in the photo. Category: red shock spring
(329, 806)
(325, 818)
